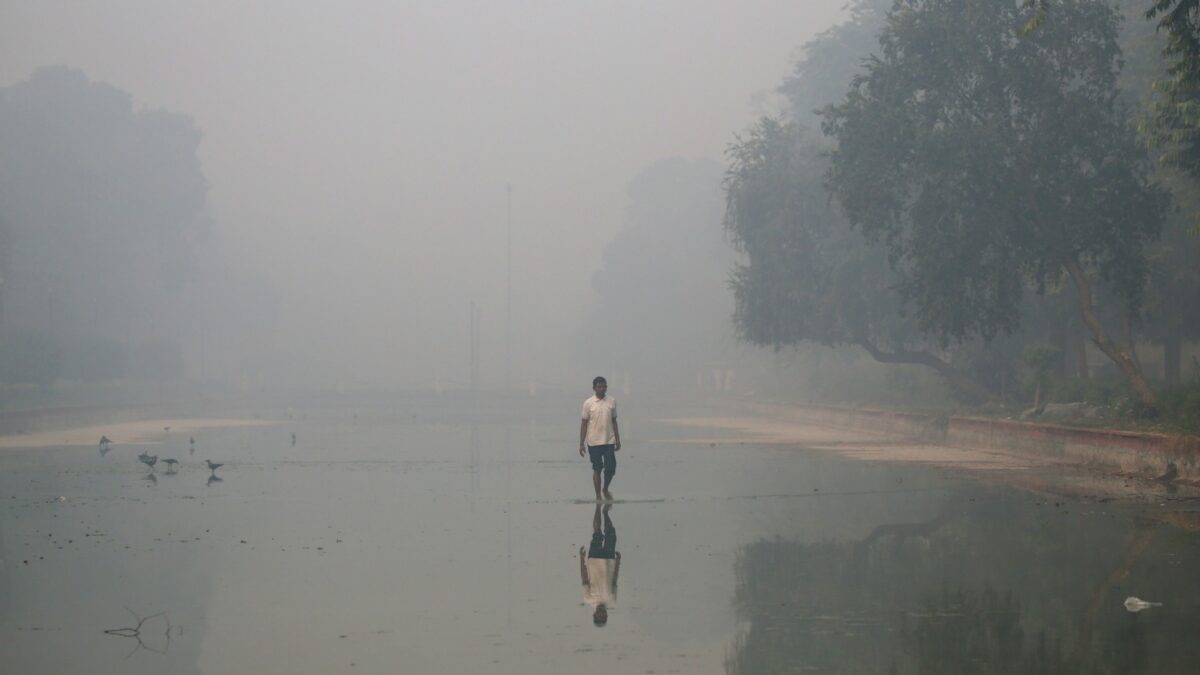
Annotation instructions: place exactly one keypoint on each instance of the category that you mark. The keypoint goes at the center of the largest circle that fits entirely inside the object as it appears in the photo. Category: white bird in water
(1134, 604)
(170, 463)
(213, 466)
(148, 460)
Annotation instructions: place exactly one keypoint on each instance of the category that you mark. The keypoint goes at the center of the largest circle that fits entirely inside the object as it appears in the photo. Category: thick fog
(358, 158)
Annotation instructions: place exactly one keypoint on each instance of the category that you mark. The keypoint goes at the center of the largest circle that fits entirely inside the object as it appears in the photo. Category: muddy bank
(1140, 454)
(1046, 458)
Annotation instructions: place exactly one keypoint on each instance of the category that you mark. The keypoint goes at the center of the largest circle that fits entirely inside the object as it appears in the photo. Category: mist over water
(357, 160)
(299, 304)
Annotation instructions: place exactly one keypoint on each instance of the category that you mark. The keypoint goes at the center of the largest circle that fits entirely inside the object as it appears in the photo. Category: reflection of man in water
(599, 568)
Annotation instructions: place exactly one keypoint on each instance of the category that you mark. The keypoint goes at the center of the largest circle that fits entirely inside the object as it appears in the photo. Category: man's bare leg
(596, 484)
(607, 480)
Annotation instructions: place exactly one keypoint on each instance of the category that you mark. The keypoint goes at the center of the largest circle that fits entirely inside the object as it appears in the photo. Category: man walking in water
(598, 431)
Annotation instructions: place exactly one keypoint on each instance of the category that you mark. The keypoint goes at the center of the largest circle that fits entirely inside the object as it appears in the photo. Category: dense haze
(357, 157)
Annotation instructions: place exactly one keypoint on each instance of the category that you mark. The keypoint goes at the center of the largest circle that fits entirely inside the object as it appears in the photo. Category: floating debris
(1134, 604)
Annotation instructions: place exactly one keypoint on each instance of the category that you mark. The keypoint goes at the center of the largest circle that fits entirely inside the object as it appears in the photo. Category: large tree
(805, 276)
(1173, 127)
(990, 162)
(104, 206)
(830, 60)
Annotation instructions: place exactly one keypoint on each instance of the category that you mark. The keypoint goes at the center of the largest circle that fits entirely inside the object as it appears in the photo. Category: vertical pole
(473, 363)
(508, 294)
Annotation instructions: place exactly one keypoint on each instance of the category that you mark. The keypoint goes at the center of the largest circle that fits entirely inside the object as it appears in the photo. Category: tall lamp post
(508, 294)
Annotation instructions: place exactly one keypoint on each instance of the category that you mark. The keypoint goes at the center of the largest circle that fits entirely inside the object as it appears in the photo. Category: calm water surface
(413, 536)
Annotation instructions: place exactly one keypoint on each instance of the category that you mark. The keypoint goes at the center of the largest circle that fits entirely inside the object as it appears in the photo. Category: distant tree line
(104, 234)
(659, 279)
(970, 185)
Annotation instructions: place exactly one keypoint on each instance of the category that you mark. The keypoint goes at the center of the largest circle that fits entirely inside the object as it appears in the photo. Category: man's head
(600, 616)
(600, 386)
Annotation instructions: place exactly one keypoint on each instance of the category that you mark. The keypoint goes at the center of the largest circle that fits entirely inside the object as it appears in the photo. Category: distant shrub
(1180, 406)
(1096, 391)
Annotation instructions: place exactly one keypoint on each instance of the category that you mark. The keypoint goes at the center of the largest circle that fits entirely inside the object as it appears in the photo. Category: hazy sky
(358, 151)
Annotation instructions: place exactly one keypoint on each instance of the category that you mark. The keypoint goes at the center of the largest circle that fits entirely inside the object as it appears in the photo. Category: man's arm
(616, 569)
(582, 568)
(582, 435)
(616, 435)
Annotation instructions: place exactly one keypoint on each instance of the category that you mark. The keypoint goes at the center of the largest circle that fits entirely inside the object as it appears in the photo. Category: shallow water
(411, 536)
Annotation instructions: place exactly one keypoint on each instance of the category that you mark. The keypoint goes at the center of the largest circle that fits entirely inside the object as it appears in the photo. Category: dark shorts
(604, 545)
(604, 458)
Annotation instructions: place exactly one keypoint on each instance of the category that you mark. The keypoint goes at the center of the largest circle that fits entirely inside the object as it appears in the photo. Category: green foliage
(1094, 391)
(831, 60)
(990, 163)
(1173, 291)
(1180, 406)
(1041, 359)
(806, 277)
(1175, 124)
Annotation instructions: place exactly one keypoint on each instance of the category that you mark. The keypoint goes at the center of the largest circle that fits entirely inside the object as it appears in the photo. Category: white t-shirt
(600, 589)
(600, 414)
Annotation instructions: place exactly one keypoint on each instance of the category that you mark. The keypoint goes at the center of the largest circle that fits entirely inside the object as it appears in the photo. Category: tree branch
(954, 377)
(1124, 360)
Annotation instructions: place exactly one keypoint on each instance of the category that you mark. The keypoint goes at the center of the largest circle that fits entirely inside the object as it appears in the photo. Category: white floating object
(1137, 604)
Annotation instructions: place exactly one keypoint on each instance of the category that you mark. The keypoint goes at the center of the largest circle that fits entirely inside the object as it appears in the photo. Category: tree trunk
(956, 379)
(1084, 371)
(1059, 337)
(1130, 341)
(1172, 356)
(1123, 359)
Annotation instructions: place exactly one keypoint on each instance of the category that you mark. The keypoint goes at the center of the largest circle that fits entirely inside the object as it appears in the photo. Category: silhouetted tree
(806, 276)
(988, 161)
(103, 203)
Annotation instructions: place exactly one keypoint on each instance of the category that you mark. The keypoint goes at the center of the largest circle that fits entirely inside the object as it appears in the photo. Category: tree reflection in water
(1004, 583)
